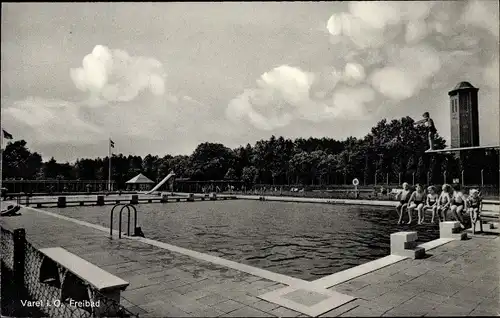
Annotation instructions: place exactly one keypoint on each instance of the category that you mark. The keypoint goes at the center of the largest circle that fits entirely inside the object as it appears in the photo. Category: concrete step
(414, 253)
(456, 230)
(459, 236)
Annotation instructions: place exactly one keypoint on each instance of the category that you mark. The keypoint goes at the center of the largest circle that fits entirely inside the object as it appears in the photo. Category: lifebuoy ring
(355, 182)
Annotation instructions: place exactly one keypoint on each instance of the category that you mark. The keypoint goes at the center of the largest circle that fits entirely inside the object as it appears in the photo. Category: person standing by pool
(431, 202)
(444, 201)
(403, 197)
(416, 201)
(431, 128)
(458, 204)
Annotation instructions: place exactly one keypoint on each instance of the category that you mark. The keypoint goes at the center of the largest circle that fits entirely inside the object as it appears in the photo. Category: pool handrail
(128, 206)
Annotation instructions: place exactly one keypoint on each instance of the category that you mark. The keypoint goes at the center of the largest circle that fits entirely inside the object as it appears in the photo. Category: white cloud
(373, 24)
(346, 25)
(191, 100)
(483, 14)
(409, 69)
(292, 83)
(416, 31)
(172, 98)
(375, 14)
(287, 93)
(354, 73)
(350, 103)
(491, 73)
(114, 75)
(53, 120)
(279, 97)
(393, 82)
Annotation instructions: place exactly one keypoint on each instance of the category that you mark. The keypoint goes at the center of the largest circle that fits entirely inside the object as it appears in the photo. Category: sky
(161, 78)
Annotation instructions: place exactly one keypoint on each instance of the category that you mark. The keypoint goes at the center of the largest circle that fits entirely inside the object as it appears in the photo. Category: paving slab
(264, 305)
(228, 306)
(448, 310)
(284, 312)
(416, 306)
(248, 312)
(160, 308)
(362, 311)
(344, 308)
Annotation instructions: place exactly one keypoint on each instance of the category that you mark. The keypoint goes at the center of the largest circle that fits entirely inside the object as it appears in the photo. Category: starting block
(405, 244)
(452, 230)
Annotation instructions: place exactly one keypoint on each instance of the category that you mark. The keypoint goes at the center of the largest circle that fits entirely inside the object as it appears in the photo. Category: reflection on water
(302, 240)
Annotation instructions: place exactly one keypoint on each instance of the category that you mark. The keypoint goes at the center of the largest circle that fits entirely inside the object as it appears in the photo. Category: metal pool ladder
(137, 230)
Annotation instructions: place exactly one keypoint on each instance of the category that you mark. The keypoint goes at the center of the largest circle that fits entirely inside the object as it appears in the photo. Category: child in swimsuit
(431, 202)
(403, 198)
(416, 202)
(474, 204)
(458, 204)
(444, 201)
(431, 128)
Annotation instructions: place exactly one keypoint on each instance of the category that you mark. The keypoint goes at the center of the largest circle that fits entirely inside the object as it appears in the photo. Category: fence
(25, 292)
(379, 192)
(35, 186)
(378, 178)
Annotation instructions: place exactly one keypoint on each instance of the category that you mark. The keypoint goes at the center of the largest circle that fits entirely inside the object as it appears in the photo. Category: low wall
(21, 263)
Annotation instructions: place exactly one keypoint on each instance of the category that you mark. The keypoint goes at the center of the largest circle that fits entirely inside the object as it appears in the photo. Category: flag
(111, 143)
(6, 135)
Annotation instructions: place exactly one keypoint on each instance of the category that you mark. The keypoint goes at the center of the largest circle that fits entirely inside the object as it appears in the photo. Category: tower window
(454, 105)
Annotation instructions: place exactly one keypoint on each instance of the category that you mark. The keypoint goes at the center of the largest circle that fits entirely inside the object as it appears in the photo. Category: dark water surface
(302, 240)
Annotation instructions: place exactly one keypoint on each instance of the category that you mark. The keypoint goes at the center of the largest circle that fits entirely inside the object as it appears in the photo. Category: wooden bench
(56, 264)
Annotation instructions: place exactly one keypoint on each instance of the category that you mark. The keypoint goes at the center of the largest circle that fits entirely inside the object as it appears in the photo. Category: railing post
(444, 176)
(387, 179)
(61, 202)
(413, 178)
(18, 267)
(100, 200)
(463, 182)
(482, 178)
(428, 178)
(399, 178)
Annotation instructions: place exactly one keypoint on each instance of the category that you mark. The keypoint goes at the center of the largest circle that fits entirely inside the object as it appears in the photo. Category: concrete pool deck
(166, 280)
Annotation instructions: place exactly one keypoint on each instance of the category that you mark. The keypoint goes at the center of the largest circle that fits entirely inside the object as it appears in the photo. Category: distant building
(464, 115)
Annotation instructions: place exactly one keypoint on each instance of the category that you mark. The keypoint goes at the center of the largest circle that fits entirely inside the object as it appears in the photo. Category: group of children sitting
(451, 200)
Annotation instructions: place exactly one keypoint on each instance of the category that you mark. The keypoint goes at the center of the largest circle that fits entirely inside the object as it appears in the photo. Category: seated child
(431, 202)
(403, 197)
(458, 204)
(416, 201)
(474, 209)
(444, 201)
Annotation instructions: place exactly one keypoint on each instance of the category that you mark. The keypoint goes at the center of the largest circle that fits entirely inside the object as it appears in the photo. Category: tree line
(392, 151)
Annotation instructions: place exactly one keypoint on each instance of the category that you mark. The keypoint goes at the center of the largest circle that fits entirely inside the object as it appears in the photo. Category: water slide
(170, 175)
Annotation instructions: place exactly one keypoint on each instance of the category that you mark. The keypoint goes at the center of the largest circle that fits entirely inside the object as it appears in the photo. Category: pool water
(302, 240)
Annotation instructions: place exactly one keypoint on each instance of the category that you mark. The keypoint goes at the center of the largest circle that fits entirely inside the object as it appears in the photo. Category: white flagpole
(109, 161)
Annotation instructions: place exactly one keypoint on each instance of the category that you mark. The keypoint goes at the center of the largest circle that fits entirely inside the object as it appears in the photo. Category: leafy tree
(20, 162)
(391, 148)
(421, 176)
(230, 174)
(249, 174)
(210, 161)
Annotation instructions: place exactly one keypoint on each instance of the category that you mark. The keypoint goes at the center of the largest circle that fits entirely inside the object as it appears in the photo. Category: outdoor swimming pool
(302, 240)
